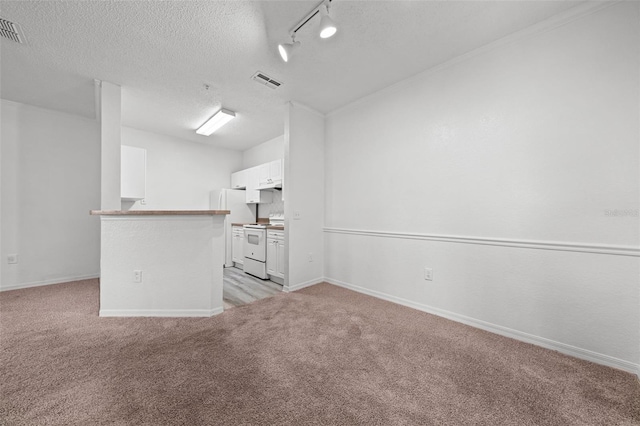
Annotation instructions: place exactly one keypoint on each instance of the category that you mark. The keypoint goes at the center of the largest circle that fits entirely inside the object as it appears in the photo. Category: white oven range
(255, 250)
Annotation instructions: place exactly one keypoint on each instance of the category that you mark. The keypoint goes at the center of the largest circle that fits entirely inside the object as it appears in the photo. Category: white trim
(504, 242)
(160, 312)
(49, 282)
(308, 108)
(574, 351)
(48, 110)
(299, 286)
(555, 21)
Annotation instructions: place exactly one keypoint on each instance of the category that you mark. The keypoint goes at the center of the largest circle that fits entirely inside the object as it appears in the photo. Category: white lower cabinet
(237, 246)
(280, 259)
(275, 255)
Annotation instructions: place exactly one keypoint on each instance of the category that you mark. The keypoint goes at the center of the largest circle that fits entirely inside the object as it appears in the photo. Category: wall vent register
(11, 31)
(264, 79)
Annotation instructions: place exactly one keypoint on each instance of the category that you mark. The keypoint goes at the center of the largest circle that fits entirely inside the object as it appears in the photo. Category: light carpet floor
(319, 356)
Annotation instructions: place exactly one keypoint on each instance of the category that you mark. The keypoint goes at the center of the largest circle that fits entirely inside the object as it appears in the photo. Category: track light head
(327, 26)
(288, 49)
(327, 29)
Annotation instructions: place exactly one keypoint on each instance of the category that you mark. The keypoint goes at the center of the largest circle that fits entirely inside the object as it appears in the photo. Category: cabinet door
(239, 179)
(236, 247)
(272, 256)
(241, 247)
(133, 165)
(275, 171)
(264, 175)
(280, 264)
(252, 192)
(254, 195)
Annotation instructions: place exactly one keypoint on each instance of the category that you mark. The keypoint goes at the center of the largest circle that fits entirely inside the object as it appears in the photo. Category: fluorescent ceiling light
(218, 120)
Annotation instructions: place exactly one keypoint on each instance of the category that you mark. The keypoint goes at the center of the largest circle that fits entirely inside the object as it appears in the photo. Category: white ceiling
(162, 54)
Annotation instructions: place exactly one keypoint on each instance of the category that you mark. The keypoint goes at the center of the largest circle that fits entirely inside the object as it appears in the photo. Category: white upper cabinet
(276, 170)
(133, 173)
(270, 175)
(239, 179)
(254, 195)
(264, 175)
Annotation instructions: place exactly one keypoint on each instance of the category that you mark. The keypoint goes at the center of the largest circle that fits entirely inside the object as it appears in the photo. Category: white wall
(181, 260)
(180, 174)
(276, 206)
(270, 150)
(304, 194)
(530, 139)
(50, 181)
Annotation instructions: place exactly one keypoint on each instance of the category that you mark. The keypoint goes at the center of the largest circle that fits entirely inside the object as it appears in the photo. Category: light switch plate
(428, 274)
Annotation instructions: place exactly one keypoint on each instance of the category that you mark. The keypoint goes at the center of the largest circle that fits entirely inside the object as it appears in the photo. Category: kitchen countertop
(274, 227)
(159, 212)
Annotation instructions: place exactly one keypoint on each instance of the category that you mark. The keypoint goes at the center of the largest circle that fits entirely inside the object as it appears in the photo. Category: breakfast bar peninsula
(161, 263)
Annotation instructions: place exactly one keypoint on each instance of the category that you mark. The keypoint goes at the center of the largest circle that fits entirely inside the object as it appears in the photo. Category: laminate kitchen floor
(240, 288)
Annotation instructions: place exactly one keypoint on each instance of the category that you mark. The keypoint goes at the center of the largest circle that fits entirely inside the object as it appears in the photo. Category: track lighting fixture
(327, 29)
(287, 49)
(327, 26)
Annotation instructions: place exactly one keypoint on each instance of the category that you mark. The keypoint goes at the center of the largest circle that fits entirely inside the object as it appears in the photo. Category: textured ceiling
(162, 54)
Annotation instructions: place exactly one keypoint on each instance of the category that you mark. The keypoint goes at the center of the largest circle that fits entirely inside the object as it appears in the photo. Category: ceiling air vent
(11, 30)
(266, 80)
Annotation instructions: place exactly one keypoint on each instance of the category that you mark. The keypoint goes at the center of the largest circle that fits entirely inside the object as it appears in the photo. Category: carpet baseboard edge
(564, 348)
(303, 285)
(160, 312)
(49, 282)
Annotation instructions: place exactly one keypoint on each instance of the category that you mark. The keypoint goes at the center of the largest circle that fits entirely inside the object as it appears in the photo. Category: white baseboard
(160, 312)
(574, 351)
(303, 285)
(49, 282)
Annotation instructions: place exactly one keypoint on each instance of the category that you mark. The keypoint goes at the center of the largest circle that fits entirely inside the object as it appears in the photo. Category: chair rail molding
(617, 250)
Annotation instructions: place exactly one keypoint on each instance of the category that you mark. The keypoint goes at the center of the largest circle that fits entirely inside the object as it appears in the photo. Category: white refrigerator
(241, 212)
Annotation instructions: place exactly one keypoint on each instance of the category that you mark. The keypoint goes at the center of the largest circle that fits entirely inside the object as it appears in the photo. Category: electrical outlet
(12, 258)
(310, 257)
(297, 216)
(428, 274)
(137, 276)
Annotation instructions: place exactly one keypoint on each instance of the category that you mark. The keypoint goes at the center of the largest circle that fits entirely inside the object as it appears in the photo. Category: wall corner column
(110, 138)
